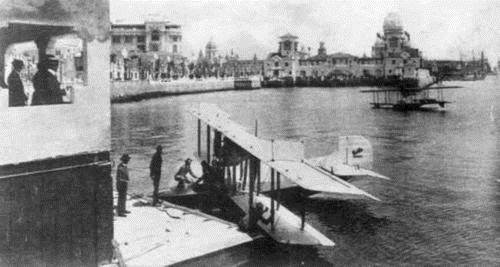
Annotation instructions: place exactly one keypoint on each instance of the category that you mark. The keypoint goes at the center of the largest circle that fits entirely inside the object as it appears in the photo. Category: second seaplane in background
(251, 166)
(411, 94)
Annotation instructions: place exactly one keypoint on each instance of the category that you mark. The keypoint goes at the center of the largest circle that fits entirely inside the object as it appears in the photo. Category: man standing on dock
(122, 179)
(155, 172)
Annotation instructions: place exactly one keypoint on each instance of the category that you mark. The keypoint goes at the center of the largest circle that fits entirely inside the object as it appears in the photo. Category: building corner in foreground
(56, 205)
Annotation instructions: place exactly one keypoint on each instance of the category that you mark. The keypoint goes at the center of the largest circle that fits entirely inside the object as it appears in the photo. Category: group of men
(122, 178)
(211, 181)
(47, 87)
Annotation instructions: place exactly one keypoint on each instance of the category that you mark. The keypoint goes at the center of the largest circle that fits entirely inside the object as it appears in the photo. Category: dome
(393, 22)
(211, 45)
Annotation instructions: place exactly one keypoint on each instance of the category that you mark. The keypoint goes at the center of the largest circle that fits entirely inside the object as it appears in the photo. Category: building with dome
(210, 50)
(393, 47)
(392, 57)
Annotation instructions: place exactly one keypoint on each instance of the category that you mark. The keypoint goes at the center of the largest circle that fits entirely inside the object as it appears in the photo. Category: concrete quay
(169, 234)
(127, 91)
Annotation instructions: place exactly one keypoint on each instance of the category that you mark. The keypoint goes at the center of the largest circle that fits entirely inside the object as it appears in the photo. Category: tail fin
(356, 151)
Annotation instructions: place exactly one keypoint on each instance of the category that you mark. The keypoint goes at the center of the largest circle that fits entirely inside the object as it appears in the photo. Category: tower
(322, 49)
(288, 45)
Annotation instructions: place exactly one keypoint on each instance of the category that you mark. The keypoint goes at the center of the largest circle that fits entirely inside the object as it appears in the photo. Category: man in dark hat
(155, 172)
(122, 179)
(47, 87)
(17, 97)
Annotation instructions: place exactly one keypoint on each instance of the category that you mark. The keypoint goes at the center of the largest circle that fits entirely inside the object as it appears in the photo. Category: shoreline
(132, 91)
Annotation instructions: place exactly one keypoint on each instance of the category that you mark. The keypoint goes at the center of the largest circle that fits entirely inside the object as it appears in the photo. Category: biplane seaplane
(421, 93)
(252, 166)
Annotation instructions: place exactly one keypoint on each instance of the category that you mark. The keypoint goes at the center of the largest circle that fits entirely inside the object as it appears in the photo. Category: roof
(317, 58)
(17, 32)
(340, 55)
(289, 36)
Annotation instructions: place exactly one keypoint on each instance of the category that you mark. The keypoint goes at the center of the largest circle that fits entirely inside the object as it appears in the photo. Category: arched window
(174, 48)
(276, 64)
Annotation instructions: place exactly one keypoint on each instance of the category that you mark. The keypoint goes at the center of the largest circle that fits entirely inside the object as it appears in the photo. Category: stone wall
(122, 91)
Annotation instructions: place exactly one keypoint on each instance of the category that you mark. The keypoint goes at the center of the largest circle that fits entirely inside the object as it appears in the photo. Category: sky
(440, 29)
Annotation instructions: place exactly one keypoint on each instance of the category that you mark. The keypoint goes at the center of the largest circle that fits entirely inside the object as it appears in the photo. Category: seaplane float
(421, 92)
(255, 170)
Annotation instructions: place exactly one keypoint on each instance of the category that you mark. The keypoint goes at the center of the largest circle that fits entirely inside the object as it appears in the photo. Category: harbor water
(442, 205)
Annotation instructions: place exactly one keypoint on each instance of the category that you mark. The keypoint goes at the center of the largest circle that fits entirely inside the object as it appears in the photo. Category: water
(441, 207)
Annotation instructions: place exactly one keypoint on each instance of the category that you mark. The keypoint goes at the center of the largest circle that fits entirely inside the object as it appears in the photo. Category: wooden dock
(169, 234)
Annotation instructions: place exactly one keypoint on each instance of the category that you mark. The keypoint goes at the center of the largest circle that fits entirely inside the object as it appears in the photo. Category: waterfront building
(235, 67)
(284, 64)
(323, 66)
(149, 50)
(399, 58)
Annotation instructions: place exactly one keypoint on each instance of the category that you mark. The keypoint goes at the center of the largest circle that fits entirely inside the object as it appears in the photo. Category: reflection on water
(442, 206)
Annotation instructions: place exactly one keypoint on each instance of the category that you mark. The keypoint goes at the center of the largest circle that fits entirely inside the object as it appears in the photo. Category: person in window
(47, 87)
(17, 97)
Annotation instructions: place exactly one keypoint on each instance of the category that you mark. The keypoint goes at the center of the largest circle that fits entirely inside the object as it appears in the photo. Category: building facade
(139, 51)
(392, 56)
(399, 58)
(284, 64)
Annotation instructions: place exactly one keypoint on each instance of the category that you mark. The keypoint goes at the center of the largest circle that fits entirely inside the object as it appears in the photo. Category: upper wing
(288, 163)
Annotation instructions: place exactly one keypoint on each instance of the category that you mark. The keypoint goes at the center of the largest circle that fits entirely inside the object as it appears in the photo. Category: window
(393, 62)
(153, 47)
(49, 80)
(287, 45)
(141, 39)
(129, 39)
(393, 42)
(390, 71)
(276, 64)
(286, 64)
(141, 48)
(116, 39)
(155, 35)
(405, 61)
(174, 48)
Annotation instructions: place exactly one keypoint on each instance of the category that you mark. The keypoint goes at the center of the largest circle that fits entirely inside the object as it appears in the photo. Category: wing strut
(199, 138)
(272, 199)
(208, 143)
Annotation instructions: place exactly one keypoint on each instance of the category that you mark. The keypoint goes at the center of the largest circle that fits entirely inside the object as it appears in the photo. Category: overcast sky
(440, 29)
